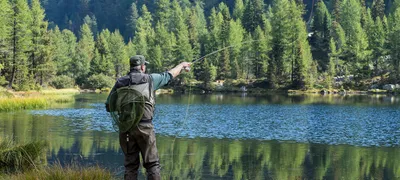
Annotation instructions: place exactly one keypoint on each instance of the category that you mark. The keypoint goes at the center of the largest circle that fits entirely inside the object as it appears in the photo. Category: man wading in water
(140, 138)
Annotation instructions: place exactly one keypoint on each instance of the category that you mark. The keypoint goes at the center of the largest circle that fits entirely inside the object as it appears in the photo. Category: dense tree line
(271, 42)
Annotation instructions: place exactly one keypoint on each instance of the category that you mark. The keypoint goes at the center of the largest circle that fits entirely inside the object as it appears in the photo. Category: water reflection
(217, 158)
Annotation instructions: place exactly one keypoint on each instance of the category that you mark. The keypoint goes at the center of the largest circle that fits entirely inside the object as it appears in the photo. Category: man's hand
(177, 69)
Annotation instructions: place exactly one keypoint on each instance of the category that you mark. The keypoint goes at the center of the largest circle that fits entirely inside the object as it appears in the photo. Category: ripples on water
(327, 124)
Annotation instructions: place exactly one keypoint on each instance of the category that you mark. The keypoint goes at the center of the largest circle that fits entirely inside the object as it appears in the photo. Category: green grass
(62, 173)
(38, 102)
(15, 158)
(21, 162)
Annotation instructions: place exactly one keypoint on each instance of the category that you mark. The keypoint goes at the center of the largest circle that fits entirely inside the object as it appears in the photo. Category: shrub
(62, 82)
(100, 81)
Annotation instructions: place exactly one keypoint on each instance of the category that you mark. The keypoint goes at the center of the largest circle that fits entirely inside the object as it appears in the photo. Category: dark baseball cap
(137, 60)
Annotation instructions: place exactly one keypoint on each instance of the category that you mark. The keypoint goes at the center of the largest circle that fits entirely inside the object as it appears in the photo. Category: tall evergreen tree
(238, 9)
(91, 21)
(321, 35)
(118, 53)
(130, 27)
(236, 36)
(167, 42)
(378, 9)
(84, 54)
(261, 56)
(252, 15)
(5, 34)
(40, 41)
(394, 43)
(102, 63)
(163, 12)
(301, 52)
(281, 31)
(21, 43)
(356, 48)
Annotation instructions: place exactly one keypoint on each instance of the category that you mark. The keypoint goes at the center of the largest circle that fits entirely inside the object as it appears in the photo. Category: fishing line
(231, 46)
(190, 93)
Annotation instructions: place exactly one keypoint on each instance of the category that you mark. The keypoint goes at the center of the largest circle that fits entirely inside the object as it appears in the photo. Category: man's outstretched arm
(177, 69)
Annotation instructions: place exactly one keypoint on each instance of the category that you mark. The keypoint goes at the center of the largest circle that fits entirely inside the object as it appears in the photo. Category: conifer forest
(284, 43)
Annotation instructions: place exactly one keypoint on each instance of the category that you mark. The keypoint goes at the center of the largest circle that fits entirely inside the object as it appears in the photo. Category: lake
(231, 136)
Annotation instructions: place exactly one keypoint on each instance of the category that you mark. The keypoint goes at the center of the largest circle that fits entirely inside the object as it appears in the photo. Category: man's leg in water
(147, 142)
(131, 151)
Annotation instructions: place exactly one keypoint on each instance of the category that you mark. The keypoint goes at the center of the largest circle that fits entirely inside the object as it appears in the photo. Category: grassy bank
(26, 161)
(14, 101)
(60, 173)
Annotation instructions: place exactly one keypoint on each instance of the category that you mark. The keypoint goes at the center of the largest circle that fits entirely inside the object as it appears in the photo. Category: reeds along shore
(14, 101)
(26, 161)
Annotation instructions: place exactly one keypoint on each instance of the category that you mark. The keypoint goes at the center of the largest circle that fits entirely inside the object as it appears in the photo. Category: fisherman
(141, 138)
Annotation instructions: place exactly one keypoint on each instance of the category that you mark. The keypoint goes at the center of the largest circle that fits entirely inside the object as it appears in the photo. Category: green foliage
(100, 81)
(394, 43)
(62, 82)
(15, 157)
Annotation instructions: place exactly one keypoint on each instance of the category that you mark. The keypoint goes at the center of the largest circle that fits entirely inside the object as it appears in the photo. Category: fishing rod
(187, 69)
(219, 50)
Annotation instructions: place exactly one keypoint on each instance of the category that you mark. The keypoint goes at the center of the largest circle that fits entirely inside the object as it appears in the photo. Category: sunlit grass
(60, 173)
(38, 102)
(14, 101)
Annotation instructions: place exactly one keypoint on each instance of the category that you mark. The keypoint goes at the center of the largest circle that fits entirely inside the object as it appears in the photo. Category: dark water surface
(232, 136)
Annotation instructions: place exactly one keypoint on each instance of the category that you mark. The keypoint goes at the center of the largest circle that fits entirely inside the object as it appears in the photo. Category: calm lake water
(231, 136)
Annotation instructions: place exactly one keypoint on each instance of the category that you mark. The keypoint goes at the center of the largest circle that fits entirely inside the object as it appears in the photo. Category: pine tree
(331, 71)
(321, 35)
(84, 54)
(21, 43)
(70, 41)
(167, 43)
(394, 43)
(102, 63)
(261, 50)
(5, 36)
(252, 15)
(118, 54)
(236, 36)
(163, 12)
(144, 32)
(281, 49)
(130, 27)
(356, 48)
(91, 22)
(238, 10)
(378, 9)
(40, 42)
(301, 52)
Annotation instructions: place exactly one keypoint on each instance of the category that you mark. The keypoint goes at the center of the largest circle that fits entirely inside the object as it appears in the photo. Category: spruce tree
(252, 15)
(118, 54)
(357, 43)
(70, 41)
(21, 44)
(321, 35)
(167, 43)
(5, 36)
(40, 41)
(281, 23)
(102, 63)
(163, 12)
(131, 21)
(238, 9)
(378, 9)
(84, 54)
(91, 21)
(394, 43)
(261, 49)
(236, 36)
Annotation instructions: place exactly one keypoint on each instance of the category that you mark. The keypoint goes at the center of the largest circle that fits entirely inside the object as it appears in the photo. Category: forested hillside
(286, 43)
